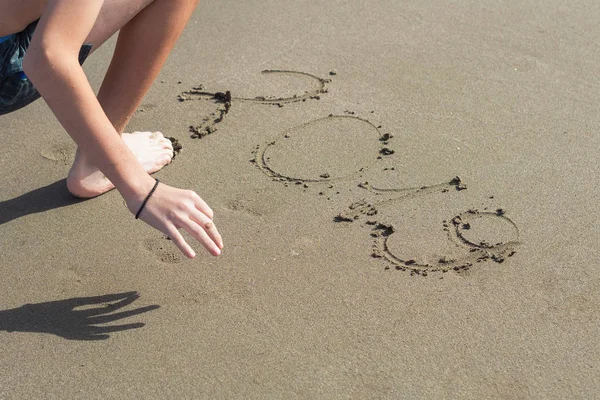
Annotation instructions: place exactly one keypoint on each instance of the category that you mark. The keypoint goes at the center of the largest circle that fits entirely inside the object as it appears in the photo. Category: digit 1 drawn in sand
(224, 99)
(462, 231)
(324, 150)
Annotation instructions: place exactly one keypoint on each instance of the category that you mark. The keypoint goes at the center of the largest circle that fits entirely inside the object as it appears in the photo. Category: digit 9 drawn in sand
(224, 99)
(319, 87)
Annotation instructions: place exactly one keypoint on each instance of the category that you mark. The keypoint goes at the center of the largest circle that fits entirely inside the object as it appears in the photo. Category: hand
(170, 209)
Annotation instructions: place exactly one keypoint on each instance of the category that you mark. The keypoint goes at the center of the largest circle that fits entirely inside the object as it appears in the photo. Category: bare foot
(152, 150)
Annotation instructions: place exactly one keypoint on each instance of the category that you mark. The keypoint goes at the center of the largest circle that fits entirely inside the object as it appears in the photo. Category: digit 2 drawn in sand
(224, 99)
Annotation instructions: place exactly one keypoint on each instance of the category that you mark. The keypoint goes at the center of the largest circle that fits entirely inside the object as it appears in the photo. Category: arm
(51, 64)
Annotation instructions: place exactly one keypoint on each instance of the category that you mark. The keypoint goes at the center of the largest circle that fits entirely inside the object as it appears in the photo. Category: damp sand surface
(407, 194)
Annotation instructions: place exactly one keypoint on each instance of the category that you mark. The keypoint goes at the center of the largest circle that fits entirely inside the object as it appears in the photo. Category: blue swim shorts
(16, 91)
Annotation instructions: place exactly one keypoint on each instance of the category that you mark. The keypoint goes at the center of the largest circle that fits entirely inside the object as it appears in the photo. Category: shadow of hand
(61, 317)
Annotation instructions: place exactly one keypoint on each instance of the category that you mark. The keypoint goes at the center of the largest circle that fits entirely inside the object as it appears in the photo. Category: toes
(157, 136)
(166, 144)
(167, 150)
(165, 159)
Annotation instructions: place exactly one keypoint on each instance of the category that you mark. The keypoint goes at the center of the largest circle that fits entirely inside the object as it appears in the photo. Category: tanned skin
(106, 157)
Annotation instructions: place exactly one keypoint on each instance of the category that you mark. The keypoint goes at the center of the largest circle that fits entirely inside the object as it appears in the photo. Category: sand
(355, 265)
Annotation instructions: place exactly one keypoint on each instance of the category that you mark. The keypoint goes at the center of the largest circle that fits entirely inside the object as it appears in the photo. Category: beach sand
(355, 264)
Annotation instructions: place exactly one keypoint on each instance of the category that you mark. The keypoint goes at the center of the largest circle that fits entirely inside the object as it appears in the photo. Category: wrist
(135, 191)
(141, 208)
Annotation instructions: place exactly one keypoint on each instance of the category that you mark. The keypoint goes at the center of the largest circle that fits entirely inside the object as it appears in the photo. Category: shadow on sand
(62, 318)
(43, 199)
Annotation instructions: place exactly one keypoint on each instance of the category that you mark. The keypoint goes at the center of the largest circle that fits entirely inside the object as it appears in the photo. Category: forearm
(62, 83)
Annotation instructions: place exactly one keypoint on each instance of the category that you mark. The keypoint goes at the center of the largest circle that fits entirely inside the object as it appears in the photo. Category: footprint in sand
(63, 153)
(315, 87)
(147, 107)
(164, 250)
(252, 204)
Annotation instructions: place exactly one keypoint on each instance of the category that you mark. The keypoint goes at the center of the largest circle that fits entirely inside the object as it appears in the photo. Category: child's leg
(144, 44)
(148, 32)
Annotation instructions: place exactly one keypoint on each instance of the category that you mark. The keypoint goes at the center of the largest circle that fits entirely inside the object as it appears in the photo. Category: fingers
(179, 209)
(200, 234)
(213, 246)
(208, 226)
(108, 307)
(202, 206)
(198, 222)
(181, 243)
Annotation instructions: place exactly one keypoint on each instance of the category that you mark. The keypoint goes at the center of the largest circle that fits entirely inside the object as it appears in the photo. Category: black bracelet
(146, 199)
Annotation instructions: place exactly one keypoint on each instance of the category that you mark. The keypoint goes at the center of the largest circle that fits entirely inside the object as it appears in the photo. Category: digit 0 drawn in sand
(164, 250)
(482, 235)
(322, 151)
(224, 99)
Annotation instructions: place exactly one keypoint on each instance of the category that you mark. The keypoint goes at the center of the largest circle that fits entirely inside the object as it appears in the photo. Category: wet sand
(356, 264)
